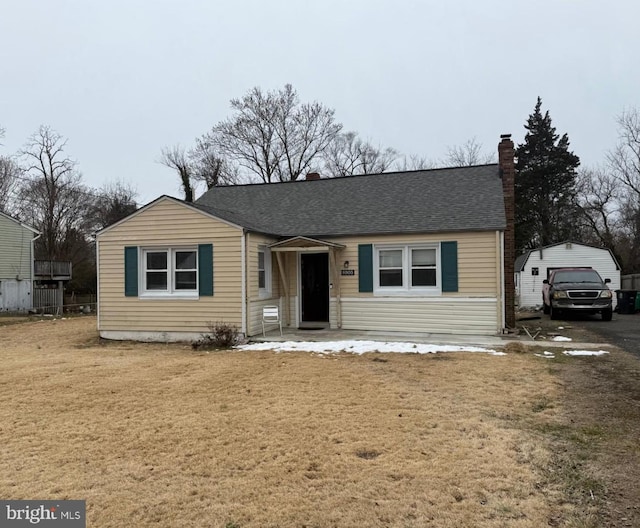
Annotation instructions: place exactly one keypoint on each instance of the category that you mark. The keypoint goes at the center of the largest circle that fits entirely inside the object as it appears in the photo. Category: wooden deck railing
(51, 268)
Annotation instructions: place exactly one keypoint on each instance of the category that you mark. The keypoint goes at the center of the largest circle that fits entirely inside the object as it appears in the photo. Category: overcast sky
(123, 78)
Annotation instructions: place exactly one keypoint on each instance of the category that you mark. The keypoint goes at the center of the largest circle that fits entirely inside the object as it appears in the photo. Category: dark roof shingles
(457, 199)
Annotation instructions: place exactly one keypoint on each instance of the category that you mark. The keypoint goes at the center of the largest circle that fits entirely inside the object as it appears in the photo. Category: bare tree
(51, 193)
(209, 167)
(599, 202)
(624, 162)
(348, 155)
(176, 158)
(9, 173)
(415, 162)
(624, 159)
(112, 203)
(467, 154)
(272, 136)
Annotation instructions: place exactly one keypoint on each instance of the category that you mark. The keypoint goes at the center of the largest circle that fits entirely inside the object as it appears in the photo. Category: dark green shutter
(365, 267)
(449, 260)
(131, 271)
(205, 270)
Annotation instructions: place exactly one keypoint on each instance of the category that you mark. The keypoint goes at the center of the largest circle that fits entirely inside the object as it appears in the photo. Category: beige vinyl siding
(255, 303)
(169, 224)
(15, 250)
(440, 316)
(474, 309)
(255, 314)
(477, 262)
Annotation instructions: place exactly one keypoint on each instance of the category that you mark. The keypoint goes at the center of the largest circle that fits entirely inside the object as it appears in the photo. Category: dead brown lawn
(159, 435)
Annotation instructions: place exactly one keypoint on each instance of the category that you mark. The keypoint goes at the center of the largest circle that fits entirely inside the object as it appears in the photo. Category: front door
(314, 282)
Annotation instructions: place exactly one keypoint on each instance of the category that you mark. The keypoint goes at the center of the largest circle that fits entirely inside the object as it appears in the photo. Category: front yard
(160, 435)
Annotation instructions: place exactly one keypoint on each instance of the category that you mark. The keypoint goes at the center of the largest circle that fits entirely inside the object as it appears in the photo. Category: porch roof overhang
(302, 244)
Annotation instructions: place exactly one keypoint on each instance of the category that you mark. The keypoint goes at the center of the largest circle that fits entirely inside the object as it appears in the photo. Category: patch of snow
(362, 347)
(561, 328)
(562, 338)
(546, 354)
(585, 352)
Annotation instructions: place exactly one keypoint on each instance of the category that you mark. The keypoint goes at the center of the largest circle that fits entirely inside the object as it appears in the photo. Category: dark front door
(314, 271)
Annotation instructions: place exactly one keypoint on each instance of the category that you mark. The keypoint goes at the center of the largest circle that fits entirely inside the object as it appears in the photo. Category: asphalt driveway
(623, 331)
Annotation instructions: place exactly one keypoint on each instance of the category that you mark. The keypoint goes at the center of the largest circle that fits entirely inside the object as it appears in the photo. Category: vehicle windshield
(577, 276)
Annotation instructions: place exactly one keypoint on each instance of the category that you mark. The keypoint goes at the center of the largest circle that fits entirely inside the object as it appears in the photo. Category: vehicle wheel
(554, 313)
(607, 314)
(545, 308)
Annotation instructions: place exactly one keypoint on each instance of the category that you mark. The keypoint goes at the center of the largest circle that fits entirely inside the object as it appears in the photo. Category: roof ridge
(349, 177)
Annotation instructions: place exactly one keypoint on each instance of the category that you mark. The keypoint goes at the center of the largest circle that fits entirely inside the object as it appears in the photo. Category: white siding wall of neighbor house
(529, 286)
(15, 265)
(168, 224)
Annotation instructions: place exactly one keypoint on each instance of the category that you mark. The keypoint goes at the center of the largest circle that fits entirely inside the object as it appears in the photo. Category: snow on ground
(561, 338)
(362, 347)
(585, 352)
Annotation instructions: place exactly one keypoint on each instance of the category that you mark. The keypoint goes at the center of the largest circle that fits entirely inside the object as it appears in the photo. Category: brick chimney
(312, 176)
(506, 162)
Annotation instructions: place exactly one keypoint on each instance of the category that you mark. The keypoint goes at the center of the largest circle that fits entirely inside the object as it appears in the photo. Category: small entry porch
(316, 278)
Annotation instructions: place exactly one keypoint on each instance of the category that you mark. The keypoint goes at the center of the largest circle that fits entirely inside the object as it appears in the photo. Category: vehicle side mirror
(607, 281)
(545, 281)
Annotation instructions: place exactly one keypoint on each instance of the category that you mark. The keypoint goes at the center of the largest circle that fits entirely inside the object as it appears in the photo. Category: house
(417, 251)
(532, 267)
(16, 264)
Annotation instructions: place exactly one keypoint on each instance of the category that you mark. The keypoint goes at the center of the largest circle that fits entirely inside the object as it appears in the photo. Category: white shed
(534, 266)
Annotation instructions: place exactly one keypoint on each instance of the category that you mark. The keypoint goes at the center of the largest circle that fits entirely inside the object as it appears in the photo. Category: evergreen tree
(545, 185)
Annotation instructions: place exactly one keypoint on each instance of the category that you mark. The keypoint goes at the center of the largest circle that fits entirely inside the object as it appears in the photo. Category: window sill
(169, 296)
(391, 292)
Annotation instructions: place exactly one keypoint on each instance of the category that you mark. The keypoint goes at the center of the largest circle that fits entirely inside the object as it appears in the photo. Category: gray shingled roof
(428, 201)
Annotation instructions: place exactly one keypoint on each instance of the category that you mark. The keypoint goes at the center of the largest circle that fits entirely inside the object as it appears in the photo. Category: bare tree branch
(415, 162)
(467, 154)
(349, 155)
(625, 157)
(9, 172)
(112, 203)
(176, 158)
(272, 136)
(51, 194)
(209, 167)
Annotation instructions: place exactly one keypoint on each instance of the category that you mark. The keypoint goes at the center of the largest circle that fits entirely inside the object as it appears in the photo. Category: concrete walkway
(295, 334)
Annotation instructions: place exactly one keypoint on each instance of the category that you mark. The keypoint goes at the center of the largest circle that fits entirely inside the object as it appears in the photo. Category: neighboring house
(534, 266)
(16, 264)
(419, 251)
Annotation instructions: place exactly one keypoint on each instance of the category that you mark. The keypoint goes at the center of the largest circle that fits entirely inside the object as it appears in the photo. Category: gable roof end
(21, 224)
(162, 198)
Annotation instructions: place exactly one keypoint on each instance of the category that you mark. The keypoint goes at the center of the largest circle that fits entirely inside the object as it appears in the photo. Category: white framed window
(264, 272)
(406, 269)
(169, 272)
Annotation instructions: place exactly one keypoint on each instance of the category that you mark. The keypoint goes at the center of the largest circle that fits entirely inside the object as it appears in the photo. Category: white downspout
(503, 294)
(243, 265)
